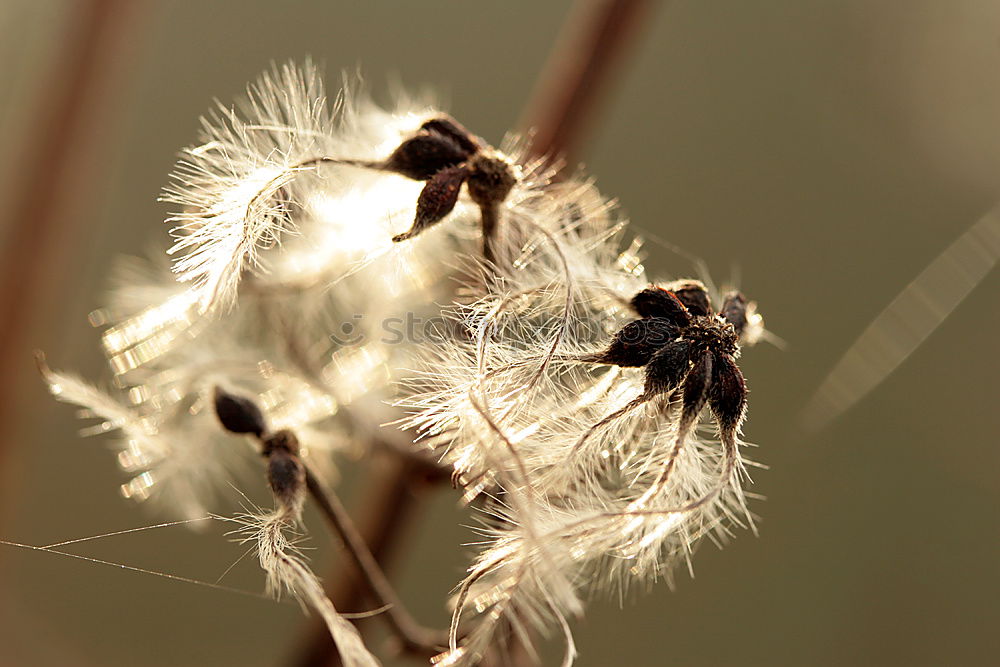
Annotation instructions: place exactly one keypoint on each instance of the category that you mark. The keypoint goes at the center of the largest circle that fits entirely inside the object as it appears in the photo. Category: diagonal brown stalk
(595, 39)
(399, 486)
(40, 230)
(594, 42)
(415, 638)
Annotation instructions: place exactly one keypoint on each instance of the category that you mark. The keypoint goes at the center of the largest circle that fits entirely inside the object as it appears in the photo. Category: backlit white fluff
(239, 190)
(509, 410)
(287, 572)
(300, 300)
(272, 259)
(166, 455)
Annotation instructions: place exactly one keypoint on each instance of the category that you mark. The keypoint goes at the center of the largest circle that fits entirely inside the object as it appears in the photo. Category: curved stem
(413, 636)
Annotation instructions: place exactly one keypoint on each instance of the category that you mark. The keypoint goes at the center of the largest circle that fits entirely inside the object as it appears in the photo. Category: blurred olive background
(831, 149)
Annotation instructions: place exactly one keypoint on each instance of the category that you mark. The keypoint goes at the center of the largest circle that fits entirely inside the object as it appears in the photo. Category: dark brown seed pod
(239, 414)
(437, 199)
(636, 343)
(658, 302)
(734, 310)
(422, 156)
(285, 473)
(667, 368)
(693, 295)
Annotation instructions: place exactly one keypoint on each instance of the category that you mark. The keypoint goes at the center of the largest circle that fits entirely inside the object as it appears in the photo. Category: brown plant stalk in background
(40, 230)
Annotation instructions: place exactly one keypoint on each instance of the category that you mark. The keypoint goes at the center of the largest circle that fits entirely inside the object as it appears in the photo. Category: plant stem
(565, 99)
(414, 637)
(489, 227)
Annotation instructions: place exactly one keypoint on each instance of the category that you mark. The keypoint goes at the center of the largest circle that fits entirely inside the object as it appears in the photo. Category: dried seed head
(446, 155)
(603, 472)
(265, 227)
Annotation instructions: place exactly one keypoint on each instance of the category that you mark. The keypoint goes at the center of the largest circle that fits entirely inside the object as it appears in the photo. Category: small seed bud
(734, 310)
(285, 472)
(239, 414)
(286, 477)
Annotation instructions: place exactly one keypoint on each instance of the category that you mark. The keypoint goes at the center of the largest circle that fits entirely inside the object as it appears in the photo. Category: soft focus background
(830, 149)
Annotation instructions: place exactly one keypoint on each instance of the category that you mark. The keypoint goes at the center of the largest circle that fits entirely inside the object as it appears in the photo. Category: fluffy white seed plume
(239, 189)
(166, 455)
(287, 299)
(585, 478)
(286, 569)
(230, 186)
